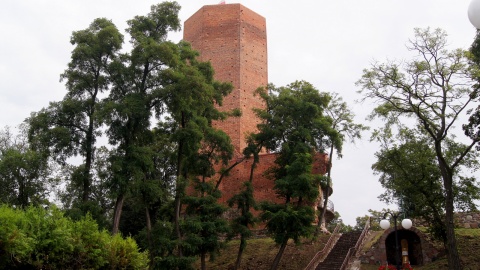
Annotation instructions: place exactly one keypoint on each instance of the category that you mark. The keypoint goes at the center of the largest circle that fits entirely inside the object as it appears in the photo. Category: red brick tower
(234, 39)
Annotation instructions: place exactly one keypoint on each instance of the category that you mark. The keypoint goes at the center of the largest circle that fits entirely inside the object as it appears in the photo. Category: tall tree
(295, 126)
(190, 102)
(434, 90)
(138, 79)
(408, 170)
(342, 122)
(70, 127)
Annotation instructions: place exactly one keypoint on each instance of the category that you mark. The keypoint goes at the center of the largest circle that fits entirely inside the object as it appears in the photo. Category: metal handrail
(354, 250)
(320, 256)
(330, 206)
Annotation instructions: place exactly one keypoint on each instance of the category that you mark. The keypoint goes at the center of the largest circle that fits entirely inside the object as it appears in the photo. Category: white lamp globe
(385, 224)
(474, 13)
(407, 223)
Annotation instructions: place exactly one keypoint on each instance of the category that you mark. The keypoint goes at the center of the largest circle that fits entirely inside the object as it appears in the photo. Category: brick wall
(263, 185)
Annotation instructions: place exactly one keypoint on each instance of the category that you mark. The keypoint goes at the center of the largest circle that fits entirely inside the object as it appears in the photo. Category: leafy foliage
(70, 127)
(26, 175)
(45, 239)
(342, 121)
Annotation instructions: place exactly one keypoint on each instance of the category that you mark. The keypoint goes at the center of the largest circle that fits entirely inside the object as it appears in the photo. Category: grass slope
(261, 252)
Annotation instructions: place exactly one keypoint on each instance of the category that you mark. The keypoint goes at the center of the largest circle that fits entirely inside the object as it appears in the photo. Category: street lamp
(406, 224)
(474, 13)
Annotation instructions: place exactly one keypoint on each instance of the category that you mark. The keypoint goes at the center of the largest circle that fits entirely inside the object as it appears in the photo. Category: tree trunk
(177, 222)
(243, 244)
(88, 162)
(89, 144)
(22, 194)
(179, 189)
(447, 174)
(321, 221)
(452, 251)
(202, 261)
(276, 262)
(149, 236)
(243, 239)
(117, 213)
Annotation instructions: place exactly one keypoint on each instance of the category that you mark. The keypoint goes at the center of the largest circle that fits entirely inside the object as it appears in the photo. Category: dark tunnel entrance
(415, 253)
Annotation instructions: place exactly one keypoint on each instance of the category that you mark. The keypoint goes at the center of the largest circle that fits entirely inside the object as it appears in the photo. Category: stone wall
(468, 220)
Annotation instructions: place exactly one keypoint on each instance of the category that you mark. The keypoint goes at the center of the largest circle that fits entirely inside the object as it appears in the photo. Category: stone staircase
(337, 256)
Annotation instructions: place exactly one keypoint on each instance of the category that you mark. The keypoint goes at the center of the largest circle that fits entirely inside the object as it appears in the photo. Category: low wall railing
(322, 254)
(353, 251)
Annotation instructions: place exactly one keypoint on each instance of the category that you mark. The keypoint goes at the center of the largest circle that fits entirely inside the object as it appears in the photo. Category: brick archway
(415, 251)
(421, 250)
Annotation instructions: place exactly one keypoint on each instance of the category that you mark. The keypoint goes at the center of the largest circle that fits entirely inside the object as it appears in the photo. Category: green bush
(36, 238)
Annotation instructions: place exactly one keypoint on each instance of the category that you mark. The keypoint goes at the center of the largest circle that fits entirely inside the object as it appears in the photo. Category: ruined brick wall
(234, 39)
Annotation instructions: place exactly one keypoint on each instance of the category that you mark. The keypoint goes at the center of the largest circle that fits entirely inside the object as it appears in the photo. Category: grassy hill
(261, 252)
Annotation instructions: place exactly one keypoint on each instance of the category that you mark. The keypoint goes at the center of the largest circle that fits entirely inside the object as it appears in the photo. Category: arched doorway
(415, 253)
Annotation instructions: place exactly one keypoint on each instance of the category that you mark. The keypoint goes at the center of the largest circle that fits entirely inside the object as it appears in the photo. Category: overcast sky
(327, 43)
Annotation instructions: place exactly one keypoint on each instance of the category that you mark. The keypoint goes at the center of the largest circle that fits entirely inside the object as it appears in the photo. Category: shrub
(46, 239)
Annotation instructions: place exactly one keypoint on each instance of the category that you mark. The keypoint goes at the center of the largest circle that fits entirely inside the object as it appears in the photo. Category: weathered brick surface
(234, 39)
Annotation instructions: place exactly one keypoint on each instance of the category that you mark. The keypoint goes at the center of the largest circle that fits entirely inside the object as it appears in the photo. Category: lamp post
(474, 13)
(406, 224)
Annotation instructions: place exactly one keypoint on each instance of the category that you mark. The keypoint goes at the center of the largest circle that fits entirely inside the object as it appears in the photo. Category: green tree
(203, 222)
(70, 127)
(295, 126)
(26, 175)
(342, 122)
(190, 103)
(374, 216)
(472, 128)
(245, 201)
(433, 90)
(408, 170)
(138, 82)
(338, 221)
